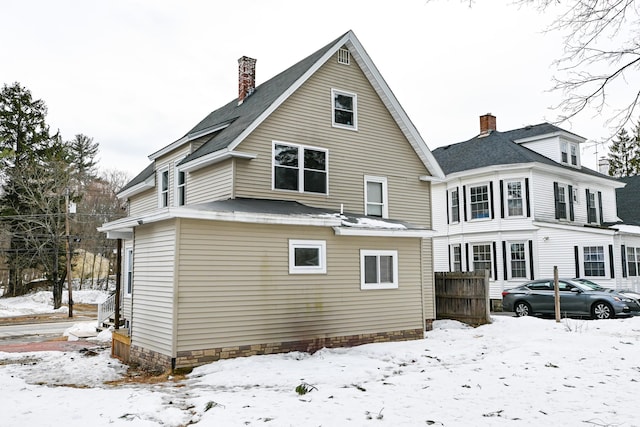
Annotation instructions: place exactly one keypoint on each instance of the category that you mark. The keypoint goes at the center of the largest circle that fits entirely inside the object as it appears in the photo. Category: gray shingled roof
(628, 200)
(499, 148)
(287, 207)
(140, 178)
(243, 115)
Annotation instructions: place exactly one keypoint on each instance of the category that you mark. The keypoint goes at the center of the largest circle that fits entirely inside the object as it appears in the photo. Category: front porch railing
(107, 309)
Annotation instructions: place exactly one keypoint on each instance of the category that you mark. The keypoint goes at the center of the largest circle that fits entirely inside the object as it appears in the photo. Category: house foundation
(152, 360)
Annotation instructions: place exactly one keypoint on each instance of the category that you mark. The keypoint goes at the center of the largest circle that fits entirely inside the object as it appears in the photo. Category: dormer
(559, 145)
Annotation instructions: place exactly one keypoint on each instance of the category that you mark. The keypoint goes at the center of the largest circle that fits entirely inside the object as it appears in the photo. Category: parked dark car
(576, 299)
(634, 304)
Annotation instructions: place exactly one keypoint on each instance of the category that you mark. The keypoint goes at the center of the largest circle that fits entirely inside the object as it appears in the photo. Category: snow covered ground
(513, 372)
(42, 302)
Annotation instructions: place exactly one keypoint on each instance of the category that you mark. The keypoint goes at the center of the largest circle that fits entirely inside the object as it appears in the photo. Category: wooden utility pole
(66, 226)
(556, 292)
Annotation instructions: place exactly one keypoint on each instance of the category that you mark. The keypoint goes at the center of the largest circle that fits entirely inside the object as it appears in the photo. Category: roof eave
(148, 184)
(213, 158)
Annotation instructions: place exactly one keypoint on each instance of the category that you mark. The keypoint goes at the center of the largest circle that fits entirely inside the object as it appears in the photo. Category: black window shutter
(504, 260)
(450, 260)
(531, 259)
(491, 198)
(447, 206)
(526, 194)
(464, 201)
(571, 217)
(466, 252)
(495, 262)
(612, 269)
(600, 207)
(577, 256)
(555, 198)
(623, 251)
(501, 199)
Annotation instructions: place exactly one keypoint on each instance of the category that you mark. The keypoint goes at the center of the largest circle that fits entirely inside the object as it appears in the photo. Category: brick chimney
(246, 78)
(487, 123)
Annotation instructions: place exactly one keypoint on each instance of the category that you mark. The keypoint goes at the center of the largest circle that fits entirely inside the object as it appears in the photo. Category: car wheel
(522, 309)
(601, 310)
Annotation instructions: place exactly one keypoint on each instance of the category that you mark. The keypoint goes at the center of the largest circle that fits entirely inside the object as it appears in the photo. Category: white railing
(107, 308)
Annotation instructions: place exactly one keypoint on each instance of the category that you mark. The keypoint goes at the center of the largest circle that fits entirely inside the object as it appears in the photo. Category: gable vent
(343, 56)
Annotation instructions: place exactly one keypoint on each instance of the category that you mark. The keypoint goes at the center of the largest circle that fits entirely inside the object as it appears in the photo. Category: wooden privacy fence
(463, 296)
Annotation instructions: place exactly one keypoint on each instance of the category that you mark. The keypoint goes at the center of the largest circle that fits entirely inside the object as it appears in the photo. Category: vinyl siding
(235, 287)
(212, 183)
(143, 202)
(428, 283)
(153, 290)
(377, 148)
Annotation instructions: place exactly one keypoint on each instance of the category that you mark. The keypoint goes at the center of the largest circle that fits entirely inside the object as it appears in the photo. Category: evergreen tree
(34, 169)
(623, 154)
(83, 152)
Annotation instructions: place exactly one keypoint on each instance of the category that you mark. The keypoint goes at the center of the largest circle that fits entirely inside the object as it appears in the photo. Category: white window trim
(385, 200)
(176, 186)
(452, 257)
(470, 204)
(506, 198)
(450, 207)
(128, 256)
(526, 260)
(377, 253)
(565, 192)
(335, 92)
(301, 149)
(605, 260)
(160, 191)
(321, 245)
(344, 56)
(472, 267)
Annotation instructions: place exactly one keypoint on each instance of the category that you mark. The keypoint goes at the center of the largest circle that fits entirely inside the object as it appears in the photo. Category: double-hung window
(456, 257)
(345, 109)
(592, 213)
(375, 194)
(378, 269)
(564, 152)
(514, 198)
(560, 196)
(307, 257)
(518, 260)
(482, 257)
(128, 271)
(573, 148)
(633, 261)
(299, 168)
(455, 205)
(163, 190)
(479, 197)
(594, 261)
(181, 187)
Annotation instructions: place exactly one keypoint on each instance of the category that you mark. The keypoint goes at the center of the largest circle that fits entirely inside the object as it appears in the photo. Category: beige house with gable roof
(295, 217)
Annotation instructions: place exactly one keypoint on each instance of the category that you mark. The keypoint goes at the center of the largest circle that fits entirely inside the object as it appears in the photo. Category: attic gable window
(345, 111)
(299, 168)
(344, 57)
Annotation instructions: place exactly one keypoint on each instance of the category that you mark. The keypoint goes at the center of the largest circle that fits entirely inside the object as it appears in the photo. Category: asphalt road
(33, 332)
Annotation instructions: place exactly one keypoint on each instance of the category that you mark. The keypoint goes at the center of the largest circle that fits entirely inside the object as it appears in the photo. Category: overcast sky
(137, 74)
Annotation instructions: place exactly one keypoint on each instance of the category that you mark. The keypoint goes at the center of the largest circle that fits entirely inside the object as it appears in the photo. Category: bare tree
(601, 56)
